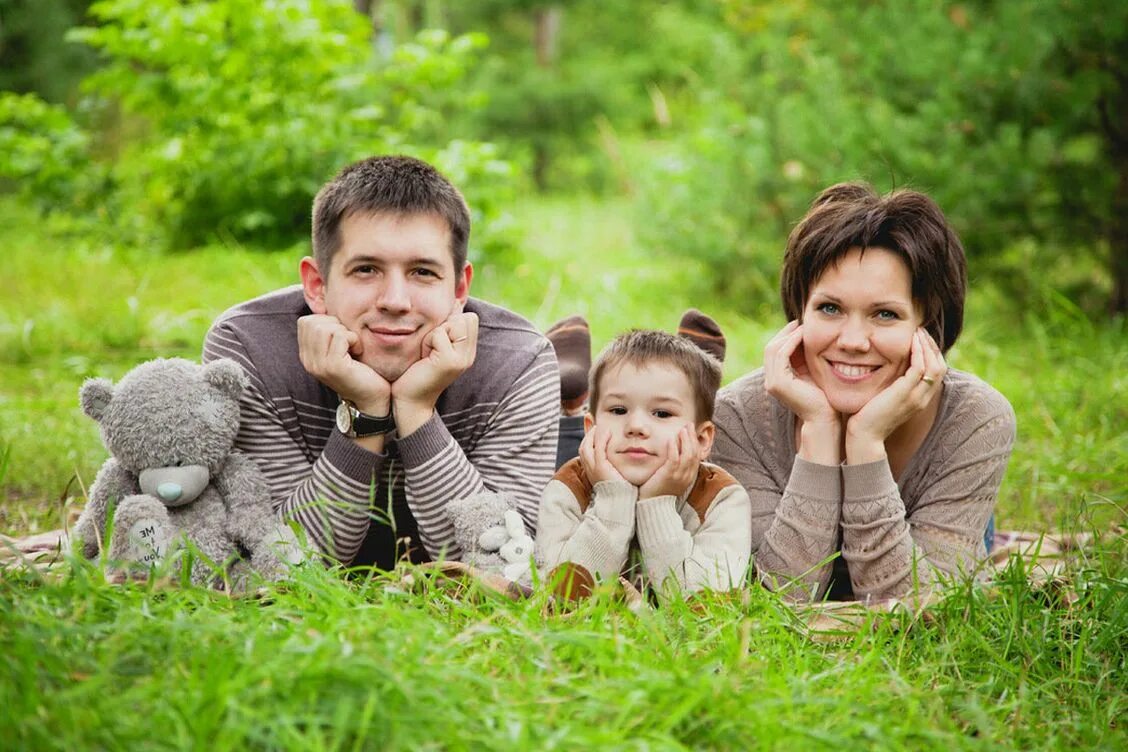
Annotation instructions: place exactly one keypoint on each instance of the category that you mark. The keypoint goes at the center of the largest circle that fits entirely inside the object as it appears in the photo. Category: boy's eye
(828, 308)
(617, 410)
(663, 414)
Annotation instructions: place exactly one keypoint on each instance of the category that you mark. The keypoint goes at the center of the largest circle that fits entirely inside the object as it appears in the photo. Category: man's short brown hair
(395, 185)
(644, 346)
(908, 223)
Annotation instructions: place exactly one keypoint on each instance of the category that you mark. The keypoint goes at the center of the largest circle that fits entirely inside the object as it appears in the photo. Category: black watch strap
(357, 425)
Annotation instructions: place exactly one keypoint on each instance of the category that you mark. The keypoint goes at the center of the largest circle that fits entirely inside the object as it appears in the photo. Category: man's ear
(706, 432)
(588, 422)
(313, 284)
(462, 284)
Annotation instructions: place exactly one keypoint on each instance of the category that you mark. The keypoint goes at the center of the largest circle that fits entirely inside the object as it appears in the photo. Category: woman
(855, 436)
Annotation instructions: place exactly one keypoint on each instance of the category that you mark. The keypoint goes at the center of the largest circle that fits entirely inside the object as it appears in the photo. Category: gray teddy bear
(492, 536)
(173, 473)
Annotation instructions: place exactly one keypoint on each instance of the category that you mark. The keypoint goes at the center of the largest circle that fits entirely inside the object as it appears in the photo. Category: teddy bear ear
(95, 396)
(226, 375)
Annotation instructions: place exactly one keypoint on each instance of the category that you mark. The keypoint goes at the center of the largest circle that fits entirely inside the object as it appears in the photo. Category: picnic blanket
(1043, 555)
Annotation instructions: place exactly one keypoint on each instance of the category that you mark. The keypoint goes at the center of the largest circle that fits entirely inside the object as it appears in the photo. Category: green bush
(994, 109)
(232, 113)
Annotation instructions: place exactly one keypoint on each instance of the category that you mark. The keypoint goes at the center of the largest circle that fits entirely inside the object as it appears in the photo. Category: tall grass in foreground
(372, 663)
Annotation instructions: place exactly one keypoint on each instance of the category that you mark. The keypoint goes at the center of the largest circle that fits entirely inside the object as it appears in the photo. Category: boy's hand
(683, 458)
(593, 456)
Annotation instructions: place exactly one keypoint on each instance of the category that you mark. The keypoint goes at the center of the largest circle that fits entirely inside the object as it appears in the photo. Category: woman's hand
(868, 429)
(787, 378)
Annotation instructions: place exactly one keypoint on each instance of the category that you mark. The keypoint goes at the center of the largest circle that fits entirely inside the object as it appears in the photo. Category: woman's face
(858, 327)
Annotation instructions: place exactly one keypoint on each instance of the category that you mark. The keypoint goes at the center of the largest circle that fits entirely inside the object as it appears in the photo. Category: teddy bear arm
(112, 484)
(252, 520)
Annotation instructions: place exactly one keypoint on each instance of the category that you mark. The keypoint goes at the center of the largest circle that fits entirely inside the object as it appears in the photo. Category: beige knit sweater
(892, 534)
(700, 539)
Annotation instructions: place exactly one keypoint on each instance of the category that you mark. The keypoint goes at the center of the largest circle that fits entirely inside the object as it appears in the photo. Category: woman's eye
(828, 308)
(887, 315)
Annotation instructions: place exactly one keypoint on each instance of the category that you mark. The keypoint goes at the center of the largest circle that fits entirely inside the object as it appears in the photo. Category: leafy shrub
(234, 112)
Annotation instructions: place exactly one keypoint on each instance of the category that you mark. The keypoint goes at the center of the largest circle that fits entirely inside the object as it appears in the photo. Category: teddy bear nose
(169, 491)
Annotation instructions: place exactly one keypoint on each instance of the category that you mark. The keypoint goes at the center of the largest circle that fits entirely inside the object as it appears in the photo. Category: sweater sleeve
(331, 497)
(794, 528)
(890, 554)
(597, 539)
(714, 556)
(516, 455)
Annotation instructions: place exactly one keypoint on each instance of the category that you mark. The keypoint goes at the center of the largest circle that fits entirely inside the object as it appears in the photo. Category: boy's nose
(636, 424)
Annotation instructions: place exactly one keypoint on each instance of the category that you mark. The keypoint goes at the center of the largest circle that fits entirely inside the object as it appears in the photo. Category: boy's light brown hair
(644, 346)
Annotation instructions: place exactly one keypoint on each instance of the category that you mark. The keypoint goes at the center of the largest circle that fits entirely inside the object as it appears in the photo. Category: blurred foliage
(33, 55)
(721, 119)
(1010, 114)
(233, 113)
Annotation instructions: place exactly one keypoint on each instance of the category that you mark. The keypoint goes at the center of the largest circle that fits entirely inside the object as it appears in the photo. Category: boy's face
(644, 406)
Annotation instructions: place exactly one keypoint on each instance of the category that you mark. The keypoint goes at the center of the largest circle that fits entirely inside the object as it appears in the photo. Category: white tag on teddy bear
(147, 542)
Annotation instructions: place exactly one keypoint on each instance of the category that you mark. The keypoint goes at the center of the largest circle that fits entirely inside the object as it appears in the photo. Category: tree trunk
(1118, 244)
(548, 22)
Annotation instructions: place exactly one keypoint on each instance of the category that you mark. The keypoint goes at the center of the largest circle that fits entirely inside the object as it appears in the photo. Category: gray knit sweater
(494, 430)
(892, 534)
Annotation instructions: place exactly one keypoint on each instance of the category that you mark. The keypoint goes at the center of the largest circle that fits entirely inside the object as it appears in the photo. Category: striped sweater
(494, 429)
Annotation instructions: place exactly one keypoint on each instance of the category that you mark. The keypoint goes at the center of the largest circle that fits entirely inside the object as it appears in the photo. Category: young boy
(641, 480)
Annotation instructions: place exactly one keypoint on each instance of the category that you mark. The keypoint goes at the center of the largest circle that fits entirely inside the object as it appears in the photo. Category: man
(380, 390)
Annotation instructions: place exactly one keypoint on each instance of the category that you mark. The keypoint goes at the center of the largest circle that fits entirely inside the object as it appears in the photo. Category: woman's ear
(706, 432)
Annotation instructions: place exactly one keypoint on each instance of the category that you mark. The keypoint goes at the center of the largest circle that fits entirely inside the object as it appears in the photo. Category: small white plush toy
(518, 550)
(491, 534)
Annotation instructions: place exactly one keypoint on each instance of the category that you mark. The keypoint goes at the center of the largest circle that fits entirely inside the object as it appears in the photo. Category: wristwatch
(356, 425)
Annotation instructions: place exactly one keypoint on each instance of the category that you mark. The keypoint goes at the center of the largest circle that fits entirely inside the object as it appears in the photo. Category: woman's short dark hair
(908, 223)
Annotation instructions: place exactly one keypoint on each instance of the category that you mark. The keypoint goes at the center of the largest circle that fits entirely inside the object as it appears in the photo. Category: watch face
(344, 418)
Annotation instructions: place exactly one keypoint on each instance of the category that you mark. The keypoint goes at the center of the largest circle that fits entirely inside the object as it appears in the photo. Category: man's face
(391, 282)
(644, 406)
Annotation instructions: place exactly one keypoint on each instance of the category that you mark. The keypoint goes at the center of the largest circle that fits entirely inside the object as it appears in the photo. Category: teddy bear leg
(142, 533)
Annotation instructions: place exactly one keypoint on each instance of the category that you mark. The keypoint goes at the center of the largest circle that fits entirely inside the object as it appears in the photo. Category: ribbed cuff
(657, 520)
(424, 442)
(613, 501)
(351, 459)
(867, 482)
(814, 481)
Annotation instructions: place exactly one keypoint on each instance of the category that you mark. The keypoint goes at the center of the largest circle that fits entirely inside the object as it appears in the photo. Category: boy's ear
(706, 432)
(588, 422)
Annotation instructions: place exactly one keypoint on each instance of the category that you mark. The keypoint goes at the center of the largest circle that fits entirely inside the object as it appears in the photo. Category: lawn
(330, 663)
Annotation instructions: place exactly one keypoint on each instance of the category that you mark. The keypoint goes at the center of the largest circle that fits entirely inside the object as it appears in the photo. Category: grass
(326, 662)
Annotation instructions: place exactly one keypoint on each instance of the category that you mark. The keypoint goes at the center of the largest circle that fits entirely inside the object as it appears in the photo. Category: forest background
(623, 160)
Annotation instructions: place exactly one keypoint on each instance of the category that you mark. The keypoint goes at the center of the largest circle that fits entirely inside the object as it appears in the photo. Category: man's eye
(364, 269)
(424, 272)
(828, 308)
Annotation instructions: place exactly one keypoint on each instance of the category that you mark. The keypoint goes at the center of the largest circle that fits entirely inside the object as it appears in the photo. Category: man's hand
(683, 458)
(328, 351)
(593, 456)
(448, 351)
(921, 383)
